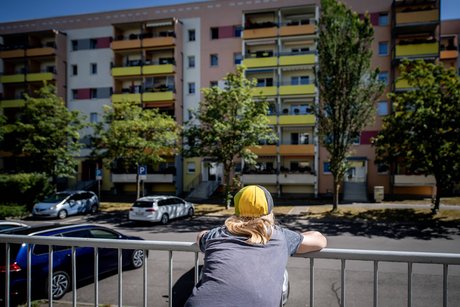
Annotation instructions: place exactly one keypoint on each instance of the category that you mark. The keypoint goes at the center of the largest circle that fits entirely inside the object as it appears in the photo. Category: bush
(24, 189)
(12, 210)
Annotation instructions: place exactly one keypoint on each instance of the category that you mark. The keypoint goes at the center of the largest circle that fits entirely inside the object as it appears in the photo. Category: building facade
(162, 56)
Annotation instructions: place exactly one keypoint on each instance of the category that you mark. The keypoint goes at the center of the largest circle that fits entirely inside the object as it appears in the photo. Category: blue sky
(14, 10)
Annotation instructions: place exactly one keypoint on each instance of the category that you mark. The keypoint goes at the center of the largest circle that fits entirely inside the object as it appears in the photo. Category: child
(245, 259)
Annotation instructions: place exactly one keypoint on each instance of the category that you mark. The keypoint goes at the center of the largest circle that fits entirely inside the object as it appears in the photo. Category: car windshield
(143, 204)
(56, 198)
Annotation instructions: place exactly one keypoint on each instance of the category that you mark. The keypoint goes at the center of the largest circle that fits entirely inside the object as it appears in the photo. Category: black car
(108, 259)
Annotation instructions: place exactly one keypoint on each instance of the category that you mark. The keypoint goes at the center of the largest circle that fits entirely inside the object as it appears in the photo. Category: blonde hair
(258, 230)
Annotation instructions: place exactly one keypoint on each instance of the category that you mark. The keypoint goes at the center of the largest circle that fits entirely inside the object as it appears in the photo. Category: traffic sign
(142, 172)
(98, 174)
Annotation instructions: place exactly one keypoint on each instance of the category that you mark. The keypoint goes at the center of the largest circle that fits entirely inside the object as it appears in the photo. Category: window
(74, 45)
(326, 167)
(383, 19)
(383, 76)
(93, 93)
(93, 118)
(92, 43)
(191, 35)
(262, 82)
(191, 61)
(74, 94)
(238, 30)
(74, 70)
(191, 87)
(213, 83)
(214, 33)
(383, 48)
(300, 50)
(382, 168)
(299, 80)
(191, 167)
(237, 58)
(382, 108)
(214, 60)
(93, 68)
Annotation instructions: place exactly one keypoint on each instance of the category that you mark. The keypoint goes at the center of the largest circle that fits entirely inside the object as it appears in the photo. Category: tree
(230, 122)
(134, 136)
(348, 87)
(2, 126)
(423, 131)
(46, 135)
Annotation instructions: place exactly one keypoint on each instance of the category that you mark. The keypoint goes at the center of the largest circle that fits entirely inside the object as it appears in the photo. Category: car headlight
(53, 207)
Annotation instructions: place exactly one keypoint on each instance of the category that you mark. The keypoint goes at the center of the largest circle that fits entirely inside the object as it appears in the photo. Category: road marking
(73, 220)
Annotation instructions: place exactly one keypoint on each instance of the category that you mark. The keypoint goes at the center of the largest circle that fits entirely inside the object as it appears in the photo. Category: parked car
(7, 225)
(62, 272)
(63, 204)
(160, 209)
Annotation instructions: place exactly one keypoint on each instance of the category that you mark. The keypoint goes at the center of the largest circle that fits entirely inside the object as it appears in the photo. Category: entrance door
(357, 171)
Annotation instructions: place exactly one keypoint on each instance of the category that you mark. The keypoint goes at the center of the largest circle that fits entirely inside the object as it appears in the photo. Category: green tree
(45, 137)
(2, 126)
(348, 87)
(134, 136)
(423, 131)
(230, 121)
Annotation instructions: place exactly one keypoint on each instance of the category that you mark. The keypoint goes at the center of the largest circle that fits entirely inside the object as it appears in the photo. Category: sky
(15, 10)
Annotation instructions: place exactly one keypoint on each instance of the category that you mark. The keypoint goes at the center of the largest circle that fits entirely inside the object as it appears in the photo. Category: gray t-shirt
(236, 273)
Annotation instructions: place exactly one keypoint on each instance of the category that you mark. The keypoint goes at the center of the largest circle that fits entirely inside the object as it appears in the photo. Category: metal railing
(344, 255)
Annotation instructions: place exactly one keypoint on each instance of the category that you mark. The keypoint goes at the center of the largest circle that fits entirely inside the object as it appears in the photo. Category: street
(426, 280)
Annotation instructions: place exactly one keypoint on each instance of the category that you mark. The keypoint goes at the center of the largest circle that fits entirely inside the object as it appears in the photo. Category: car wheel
(191, 212)
(62, 214)
(60, 284)
(93, 209)
(137, 259)
(164, 219)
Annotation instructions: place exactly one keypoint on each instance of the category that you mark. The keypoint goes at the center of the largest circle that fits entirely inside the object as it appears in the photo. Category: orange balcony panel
(126, 44)
(297, 30)
(449, 54)
(265, 150)
(260, 33)
(9, 54)
(158, 41)
(417, 17)
(297, 150)
(40, 51)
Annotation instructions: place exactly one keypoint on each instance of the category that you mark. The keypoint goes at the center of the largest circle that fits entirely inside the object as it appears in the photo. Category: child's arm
(312, 241)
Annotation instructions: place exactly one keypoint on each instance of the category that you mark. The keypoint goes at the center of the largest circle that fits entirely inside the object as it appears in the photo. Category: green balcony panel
(307, 119)
(305, 59)
(12, 103)
(126, 71)
(44, 76)
(308, 89)
(158, 69)
(260, 62)
(264, 91)
(12, 78)
(417, 49)
(157, 96)
(126, 97)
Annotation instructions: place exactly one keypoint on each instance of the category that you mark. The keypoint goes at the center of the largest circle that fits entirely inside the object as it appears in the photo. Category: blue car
(108, 260)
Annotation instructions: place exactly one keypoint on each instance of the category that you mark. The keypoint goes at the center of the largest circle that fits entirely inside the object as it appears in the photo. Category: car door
(73, 204)
(108, 257)
(179, 205)
(84, 255)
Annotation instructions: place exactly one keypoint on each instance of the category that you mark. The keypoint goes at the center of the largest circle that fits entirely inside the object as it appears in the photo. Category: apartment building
(162, 56)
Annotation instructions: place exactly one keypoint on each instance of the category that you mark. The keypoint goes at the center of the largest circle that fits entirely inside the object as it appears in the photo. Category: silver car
(160, 209)
(63, 204)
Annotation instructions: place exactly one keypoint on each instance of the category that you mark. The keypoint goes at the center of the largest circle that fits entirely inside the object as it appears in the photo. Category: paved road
(358, 234)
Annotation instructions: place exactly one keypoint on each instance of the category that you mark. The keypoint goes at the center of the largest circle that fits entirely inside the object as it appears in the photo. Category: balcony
(265, 32)
(151, 178)
(408, 271)
(46, 51)
(16, 78)
(293, 30)
(296, 179)
(264, 150)
(256, 62)
(158, 96)
(297, 119)
(43, 76)
(414, 180)
(124, 44)
(259, 178)
(126, 71)
(126, 97)
(158, 42)
(11, 54)
(448, 54)
(158, 69)
(287, 59)
(304, 89)
(417, 17)
(419, 50)
(297, 150)
(12, 103)
(264, 91)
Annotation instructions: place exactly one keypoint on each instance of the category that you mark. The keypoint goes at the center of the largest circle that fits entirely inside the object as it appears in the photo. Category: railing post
(120, 273)
(170, 278)
(197, 271)
(312, 281)
(376, 283)
(7, 274)
(145, 278)
(50, 275)
(29, 275)
(74, 277)
(342, 281)
(409, 284)
(96, 276)
(444, 284)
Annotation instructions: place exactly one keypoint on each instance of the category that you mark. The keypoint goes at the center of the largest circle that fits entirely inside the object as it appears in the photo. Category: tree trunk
(137, 182)
(437, 199)
(335, 196)
(227, 195)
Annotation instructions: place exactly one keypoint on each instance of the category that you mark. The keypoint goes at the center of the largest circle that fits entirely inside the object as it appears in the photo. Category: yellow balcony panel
(158, 41)
(449, 54)
(307, 89)
(158, 96)
(126, 71)
(417, 17)
(402, 84)
(265, 150)
(416, 49)
(40, 51)
(12, 103)
(305, 59)
(271, 120)
(297, 150)
(264, 91)
(297, 119)
(42, 76)
(126, 44)
(126, 97)
(260, 33)
(10, 54)
(12, 78)
(158, 69)
(297, 30)
(260, 62)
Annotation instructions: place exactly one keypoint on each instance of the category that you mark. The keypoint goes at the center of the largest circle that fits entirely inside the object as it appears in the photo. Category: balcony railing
(376, 257)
